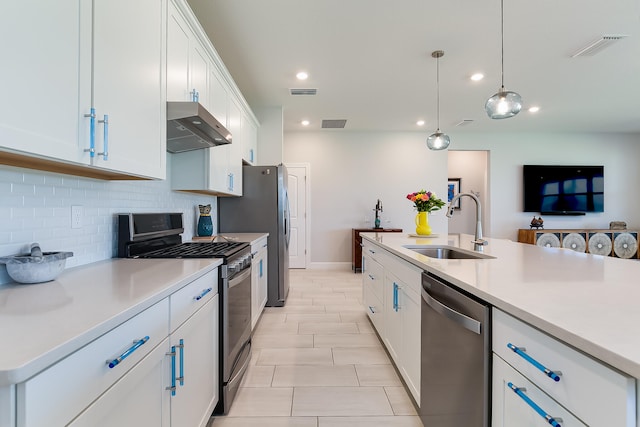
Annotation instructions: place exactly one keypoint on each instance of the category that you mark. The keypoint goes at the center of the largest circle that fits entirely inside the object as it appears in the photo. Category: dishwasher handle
(459, 318)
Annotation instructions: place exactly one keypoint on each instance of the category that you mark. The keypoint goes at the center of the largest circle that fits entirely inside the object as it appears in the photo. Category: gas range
(158, 235)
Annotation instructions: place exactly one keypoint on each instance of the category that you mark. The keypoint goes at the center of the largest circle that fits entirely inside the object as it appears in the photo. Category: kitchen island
(583, 304)
(587, 301)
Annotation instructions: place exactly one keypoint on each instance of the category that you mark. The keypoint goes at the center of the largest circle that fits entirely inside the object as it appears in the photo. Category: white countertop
(588, 301)
(251, 238)
(42, 323)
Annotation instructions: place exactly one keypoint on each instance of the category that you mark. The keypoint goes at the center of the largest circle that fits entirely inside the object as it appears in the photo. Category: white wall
(350, 170)
(270, 143)
(472, 168)
(36, 207)
(508, 152)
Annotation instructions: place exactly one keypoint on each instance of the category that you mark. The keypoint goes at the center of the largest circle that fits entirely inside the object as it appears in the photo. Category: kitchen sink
(446, 252)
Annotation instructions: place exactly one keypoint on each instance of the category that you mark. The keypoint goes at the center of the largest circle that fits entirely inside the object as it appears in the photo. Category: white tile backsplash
(36, 207)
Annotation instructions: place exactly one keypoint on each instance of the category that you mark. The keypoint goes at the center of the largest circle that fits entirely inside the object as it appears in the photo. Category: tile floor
(318, 363)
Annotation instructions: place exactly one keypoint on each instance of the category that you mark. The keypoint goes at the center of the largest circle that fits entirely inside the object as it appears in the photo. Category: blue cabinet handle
(260, 271)
(195, 96)
(205, 292)
(521, 352)
(92, 133)
(395, 296)
(251, 155)
(230, 182)
(172, 388)
(181, 347)
(105, 153)
(551, 420)
(136, 345)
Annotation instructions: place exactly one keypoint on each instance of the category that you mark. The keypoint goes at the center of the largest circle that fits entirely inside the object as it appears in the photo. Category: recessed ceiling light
(420, 122)
(477, 77)
(534, 109)
(302, 75)
(305, 123)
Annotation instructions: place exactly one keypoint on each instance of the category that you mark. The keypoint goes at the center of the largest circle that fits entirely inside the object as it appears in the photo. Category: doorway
(298, 186)
(472, 168)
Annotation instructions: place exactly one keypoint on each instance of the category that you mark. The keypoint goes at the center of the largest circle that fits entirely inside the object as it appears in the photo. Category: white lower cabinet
(573, 383)
(195, 344)
(517, 401)
(138, 399)
(58, 394)
(391, 295)
(157, 369)
(258, 279)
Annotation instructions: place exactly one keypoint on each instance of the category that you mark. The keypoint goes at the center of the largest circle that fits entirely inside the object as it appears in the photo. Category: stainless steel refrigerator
(263, 207)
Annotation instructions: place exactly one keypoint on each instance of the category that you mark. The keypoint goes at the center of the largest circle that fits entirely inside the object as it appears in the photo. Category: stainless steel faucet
(478, 242)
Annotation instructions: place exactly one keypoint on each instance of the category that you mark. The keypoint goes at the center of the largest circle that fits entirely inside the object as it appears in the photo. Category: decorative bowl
(37, 266)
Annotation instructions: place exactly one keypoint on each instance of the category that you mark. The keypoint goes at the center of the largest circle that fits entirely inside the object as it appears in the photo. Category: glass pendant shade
(503, 104)
(438, 141)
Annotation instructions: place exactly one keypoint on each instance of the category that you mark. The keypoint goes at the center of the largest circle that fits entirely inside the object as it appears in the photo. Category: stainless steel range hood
(191, 127)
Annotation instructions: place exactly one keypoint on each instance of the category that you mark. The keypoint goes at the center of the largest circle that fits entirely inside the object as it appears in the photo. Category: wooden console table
(615, 243)
(356, 241)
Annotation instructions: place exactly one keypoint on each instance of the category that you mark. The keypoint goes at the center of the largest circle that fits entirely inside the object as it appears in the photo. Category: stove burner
(196, 250)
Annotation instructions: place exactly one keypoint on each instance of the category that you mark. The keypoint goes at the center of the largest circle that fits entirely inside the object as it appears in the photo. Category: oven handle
(244, 366)
(239, 279)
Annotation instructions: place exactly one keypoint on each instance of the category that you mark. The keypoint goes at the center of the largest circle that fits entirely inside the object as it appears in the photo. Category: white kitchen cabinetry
(99, 61)
(594, 393)
(85, 374)
(258, 279)
(250, 143)
(195, 344)
(187, 61)
(138, 399)
(125, 376)
(372, 289)
(400, 284)
(217, 170)
(510, 409)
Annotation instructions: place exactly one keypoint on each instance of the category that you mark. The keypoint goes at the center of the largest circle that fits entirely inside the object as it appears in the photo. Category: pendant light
(503, 104)
(438, 140)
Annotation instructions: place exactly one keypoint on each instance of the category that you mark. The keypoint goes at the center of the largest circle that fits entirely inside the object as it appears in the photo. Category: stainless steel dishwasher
(456, 348)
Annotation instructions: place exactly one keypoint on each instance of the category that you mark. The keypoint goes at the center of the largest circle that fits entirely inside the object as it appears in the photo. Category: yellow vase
(422, 224)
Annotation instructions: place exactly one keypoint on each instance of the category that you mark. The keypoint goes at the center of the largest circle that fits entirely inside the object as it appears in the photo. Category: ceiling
(370, 61)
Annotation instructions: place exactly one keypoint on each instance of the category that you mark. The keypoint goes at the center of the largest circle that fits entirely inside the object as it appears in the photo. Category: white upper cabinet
(128, 80)
(48, 80)
(250, 135)
(54, 87)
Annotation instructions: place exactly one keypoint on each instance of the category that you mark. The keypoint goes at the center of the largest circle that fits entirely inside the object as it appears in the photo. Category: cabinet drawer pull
(555, 422)
(520, 351)
(181, 377)
(395, 296)
(136, 345)
(105, 153)
(172, 387)
(205, 292)
(92, 133)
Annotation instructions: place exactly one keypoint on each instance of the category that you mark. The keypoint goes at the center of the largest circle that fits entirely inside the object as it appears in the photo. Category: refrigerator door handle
(287, 219)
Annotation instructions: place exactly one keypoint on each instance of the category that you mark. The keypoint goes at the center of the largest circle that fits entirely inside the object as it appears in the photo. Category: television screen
(563, 190)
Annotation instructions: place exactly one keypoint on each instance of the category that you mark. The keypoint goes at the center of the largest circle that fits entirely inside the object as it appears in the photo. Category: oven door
(236, 336)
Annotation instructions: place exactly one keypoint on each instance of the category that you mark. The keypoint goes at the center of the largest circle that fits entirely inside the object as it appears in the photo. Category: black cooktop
(196, 250)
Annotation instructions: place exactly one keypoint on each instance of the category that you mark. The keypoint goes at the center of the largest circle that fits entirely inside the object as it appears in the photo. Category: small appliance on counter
(158, 235)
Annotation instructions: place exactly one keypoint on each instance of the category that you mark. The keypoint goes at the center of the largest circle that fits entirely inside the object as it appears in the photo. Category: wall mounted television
(563, 190)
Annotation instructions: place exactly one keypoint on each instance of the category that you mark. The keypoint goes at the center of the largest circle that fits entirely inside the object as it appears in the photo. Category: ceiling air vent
(303, 91)
(465, 122)
(597, 45)
(333, 124)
